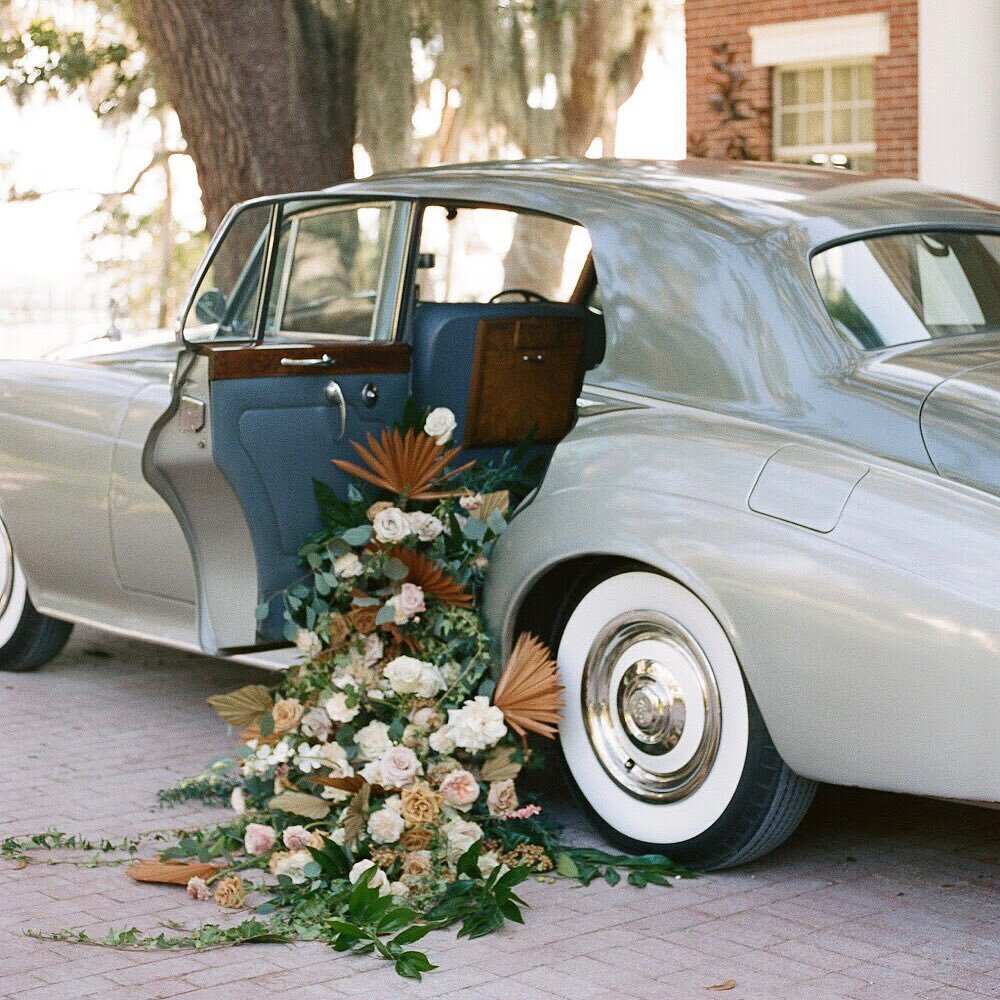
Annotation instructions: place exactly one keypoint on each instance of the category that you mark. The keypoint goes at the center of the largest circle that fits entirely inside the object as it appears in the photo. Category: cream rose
(425, 526)
(377, 881)
(230, 892)
(293, 865)
(420, 803)
(197, 888)
(461, 835)
(258, 838)
(477, 725)
(441, 740)
(385, 826)
(348, 565)
(373, 740)
(337, 708)
(374, 649)
(502, 797)
(460, 789)
(286, 714)
(440, 424)
(308, 643)
(408, 675)
(426, 717)
(416, 865)
(391, 525)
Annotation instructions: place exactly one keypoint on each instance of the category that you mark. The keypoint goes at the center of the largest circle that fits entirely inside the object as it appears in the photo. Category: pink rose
(397, 767)
(296, 838)
(408, 603)
(258, 839)
(460, 789)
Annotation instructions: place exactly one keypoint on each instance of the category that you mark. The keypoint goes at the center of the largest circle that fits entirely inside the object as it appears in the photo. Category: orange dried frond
(529, 693)
(171, 872)
(431, 578)
(411, 465)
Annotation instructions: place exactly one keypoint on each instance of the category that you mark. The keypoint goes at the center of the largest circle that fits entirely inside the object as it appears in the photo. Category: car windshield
(912, 286)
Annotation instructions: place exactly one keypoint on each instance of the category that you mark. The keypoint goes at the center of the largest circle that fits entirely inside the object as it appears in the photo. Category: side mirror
(210, 306)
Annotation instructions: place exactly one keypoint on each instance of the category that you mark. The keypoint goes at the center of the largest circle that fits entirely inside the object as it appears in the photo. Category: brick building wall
(709, 22)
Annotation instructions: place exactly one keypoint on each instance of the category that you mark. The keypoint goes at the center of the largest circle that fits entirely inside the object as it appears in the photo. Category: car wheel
(28, 639)
(661, 736)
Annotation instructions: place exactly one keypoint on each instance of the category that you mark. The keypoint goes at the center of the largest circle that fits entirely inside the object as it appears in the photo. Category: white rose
(385, 826)
(425, 526)
(373, 740)
(397, 767)
(441, 740)
(348, 565)
(308, 643)
(391, 525)
(461, 834)
(408, 675)
(377, 881)
(337, 708)
(238, 800)
(477, 725)
(440, 424)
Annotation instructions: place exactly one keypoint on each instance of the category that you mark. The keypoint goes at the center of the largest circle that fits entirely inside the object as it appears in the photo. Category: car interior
(487, 311)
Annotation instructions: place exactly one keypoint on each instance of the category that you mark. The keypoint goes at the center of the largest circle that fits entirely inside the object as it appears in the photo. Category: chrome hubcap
(6, 569)
(651, 706)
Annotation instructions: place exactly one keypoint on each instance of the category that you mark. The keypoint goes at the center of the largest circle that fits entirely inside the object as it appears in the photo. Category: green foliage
(481, 904)
(212, 786)
(587, 863)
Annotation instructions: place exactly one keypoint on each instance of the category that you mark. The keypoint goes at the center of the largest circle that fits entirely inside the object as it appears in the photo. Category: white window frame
(828, 148)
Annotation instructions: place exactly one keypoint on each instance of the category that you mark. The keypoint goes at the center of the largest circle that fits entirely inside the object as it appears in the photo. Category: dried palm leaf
(300, 804)
(355, 817)
(171, 872)
(529, 693)
(352, 784)
(412, 466)
(244, 707)
(500, 765)
(430, 577)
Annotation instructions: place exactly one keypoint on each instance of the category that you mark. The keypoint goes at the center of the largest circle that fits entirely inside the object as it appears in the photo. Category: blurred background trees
(276, 95)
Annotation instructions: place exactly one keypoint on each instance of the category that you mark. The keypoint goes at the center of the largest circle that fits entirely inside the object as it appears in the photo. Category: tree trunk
(263, 90)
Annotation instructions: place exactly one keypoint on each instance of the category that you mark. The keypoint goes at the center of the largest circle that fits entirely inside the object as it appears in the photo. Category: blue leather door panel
(271, 436)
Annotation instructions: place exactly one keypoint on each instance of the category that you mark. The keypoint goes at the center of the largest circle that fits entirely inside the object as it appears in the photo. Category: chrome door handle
(335, 394)
(324, 362)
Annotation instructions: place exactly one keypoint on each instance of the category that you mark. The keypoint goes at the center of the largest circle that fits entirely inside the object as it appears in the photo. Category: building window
(824, 115)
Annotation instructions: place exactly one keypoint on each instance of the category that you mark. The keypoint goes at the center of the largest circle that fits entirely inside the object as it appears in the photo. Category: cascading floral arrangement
(375, 789)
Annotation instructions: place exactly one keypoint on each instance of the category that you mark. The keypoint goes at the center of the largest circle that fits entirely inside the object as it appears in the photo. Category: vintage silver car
(767, 543)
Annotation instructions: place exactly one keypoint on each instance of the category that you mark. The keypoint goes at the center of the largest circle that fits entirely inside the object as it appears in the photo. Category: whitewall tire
(660, 734)
(28, 639)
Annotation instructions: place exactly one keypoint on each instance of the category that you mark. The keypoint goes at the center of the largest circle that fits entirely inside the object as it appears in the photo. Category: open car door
(289, 353)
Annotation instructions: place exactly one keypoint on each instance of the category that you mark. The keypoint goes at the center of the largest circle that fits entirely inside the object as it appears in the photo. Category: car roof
(752, 196)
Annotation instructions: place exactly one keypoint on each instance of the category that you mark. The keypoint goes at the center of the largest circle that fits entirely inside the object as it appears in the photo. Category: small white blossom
(440, 424)
(348, 565)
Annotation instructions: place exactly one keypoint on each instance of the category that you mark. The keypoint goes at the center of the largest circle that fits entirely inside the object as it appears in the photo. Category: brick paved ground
(877, 896)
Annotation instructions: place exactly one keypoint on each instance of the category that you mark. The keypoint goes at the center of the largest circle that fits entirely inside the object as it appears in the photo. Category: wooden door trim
(234, 361)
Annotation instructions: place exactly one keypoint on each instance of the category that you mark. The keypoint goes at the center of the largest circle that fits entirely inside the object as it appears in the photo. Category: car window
(225, 303)
(329, 272)
(476, 254)
(913, 286)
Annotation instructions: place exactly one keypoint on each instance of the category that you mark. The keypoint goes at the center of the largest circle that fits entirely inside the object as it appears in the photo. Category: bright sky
(60, 146)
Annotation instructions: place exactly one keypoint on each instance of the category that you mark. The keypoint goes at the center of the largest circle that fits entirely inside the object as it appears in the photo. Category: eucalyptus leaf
(360, 535)
(474, 529)
(395, 569)
(385, 615)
